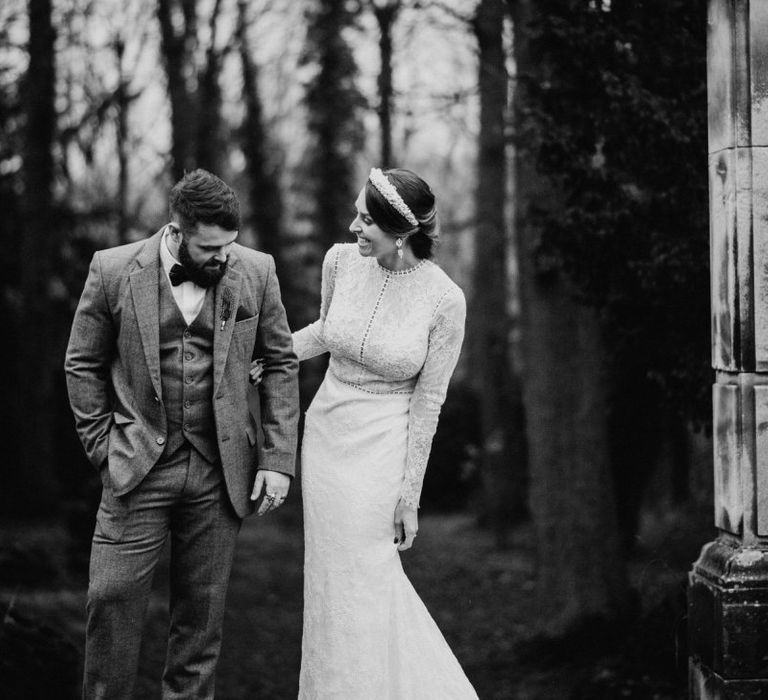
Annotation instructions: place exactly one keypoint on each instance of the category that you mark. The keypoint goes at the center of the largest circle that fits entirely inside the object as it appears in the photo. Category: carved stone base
(704, 684)
(728, 621)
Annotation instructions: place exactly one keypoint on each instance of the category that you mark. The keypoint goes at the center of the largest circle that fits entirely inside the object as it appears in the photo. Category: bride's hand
(406, 525)
(257, 369)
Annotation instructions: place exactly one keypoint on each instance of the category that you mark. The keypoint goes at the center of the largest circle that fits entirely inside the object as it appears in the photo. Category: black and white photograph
(384, 349)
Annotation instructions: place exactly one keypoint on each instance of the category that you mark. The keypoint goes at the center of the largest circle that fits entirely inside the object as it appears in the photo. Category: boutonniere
(226, 306)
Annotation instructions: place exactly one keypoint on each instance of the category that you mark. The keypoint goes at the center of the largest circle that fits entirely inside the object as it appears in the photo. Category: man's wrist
(276, 471)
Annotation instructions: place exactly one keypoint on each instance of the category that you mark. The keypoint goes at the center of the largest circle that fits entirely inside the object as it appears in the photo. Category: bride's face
(371, 240)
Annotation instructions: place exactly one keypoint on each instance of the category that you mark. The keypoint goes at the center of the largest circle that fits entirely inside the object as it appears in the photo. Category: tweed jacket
(113, 369)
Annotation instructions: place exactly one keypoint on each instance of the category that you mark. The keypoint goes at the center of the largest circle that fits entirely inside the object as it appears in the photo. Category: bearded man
(157, 368)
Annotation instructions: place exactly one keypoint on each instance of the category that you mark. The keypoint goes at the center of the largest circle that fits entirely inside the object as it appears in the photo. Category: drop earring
(399, 246)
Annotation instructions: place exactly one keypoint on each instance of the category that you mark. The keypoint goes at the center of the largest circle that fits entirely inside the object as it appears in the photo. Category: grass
(482, 599)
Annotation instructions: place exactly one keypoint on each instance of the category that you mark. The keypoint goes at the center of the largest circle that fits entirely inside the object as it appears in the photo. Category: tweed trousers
(183, 497)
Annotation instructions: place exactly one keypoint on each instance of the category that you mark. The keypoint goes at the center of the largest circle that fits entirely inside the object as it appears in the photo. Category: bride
(393, 323)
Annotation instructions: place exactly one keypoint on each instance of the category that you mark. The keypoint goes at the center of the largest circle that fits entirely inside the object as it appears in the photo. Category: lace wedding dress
(394, 339)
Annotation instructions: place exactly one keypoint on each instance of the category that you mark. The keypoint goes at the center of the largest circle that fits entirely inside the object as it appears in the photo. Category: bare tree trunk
(263, 169)
(121, 102)
(210, 144)
(36, 481)
(195, 104)
(335, 127)
(265, 195)
(581, 573)
(176, 50)
(503, 454)
(386, 15)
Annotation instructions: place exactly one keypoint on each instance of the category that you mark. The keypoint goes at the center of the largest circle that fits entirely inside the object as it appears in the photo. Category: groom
(157, 371)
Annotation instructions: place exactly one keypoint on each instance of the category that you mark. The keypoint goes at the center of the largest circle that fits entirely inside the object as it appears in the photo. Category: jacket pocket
(246, 325)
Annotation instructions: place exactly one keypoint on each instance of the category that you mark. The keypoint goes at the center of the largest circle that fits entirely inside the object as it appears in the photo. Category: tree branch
(444, 7)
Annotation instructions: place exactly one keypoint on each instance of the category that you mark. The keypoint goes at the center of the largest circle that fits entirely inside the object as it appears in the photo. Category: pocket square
(242, 314)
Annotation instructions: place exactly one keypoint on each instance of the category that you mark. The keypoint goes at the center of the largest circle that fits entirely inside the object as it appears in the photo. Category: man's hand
(275, 485)
(256, 371)
(406, 525)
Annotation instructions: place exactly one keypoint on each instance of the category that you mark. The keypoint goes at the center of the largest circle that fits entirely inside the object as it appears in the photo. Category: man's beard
(206, 275)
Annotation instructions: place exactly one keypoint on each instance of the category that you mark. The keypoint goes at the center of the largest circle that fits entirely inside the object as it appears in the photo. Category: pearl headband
(387, 190)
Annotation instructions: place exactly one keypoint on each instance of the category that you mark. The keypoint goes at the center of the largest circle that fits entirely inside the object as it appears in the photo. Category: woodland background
(569, 488)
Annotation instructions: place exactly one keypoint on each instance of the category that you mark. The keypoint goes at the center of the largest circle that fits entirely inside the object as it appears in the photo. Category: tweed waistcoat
(186, 374)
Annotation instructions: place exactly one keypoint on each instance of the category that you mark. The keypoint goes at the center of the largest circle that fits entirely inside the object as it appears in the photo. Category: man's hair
(201, 197)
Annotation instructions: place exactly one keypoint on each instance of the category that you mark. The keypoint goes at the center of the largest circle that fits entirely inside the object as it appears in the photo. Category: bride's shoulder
(346, 251)
(442, 283)
(448, 297)
(341, 252)
(337, 256)
(343, 257)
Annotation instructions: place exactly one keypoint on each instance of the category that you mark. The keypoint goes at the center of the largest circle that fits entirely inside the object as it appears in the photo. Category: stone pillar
(728, 592)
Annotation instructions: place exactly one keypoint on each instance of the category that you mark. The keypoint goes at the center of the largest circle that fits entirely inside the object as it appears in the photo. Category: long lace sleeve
(309, 341)
(445, 338)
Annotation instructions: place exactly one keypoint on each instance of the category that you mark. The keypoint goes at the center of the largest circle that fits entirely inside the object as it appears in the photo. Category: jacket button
(188, 356)
(187, 427)
(160, 441)
(156, 398)
(187, 404)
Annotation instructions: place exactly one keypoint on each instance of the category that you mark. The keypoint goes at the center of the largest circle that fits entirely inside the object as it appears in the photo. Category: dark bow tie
(178, 275)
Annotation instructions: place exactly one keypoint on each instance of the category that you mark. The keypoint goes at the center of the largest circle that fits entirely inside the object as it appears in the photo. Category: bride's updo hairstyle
(419, 198)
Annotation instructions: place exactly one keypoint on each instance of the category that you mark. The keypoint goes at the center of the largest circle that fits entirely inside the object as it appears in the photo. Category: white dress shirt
(189, 296)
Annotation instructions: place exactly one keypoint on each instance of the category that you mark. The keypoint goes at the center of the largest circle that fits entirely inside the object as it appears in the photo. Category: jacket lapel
(145, 290)
(227, 301)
